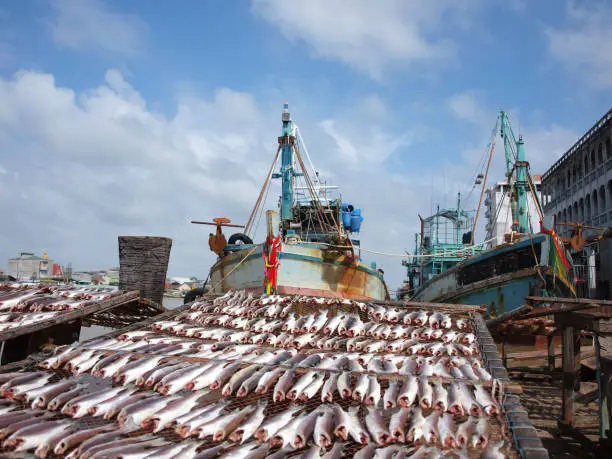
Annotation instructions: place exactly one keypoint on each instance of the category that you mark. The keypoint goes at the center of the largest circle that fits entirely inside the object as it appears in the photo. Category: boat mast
(515, 160)
(287, 172)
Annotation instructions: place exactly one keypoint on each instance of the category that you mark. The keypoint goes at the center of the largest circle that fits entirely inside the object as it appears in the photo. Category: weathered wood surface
(143, 264)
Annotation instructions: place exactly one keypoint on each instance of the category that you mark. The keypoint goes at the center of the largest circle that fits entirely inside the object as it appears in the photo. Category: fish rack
(514, 420)
(120, 310)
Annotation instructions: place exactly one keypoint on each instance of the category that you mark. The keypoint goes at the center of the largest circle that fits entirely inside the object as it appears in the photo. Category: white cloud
(583, 45)
(90, 25)
(466, 106)
(93, 165)
(371, 36)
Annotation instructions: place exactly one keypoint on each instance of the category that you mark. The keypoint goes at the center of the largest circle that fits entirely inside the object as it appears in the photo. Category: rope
(249, 224)
(234, 268)
(404, 255)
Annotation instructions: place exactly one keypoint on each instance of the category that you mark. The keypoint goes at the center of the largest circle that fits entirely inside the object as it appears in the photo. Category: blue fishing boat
(448, 267)
(312, 241)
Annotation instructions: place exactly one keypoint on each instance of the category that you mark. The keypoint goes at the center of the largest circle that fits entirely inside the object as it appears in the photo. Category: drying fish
(376, 427)
(301, 384)
(134, 414)
(286, 434)
(109, 408)
(493, 451)
(469, 403)
(313, 452)
(480, 437)
(283, 385)
(440, 397)
(248, 428)
(251, 450)
(483, 398)
(72, 440)
(361, 388)
(447, 429)
(17, 423)
(390, 397)
(312, 388)
(304, 430)
(416, 431)
(267, 379)
(465, 432)
(60, 399)
(42, 434)
(336, 452)
(367, 452)
(133, 370)
(168, 414)
(430, 428)
(455, 405)
(425, 394)
(324, 427)
(238, 378)
(128, 448)
(397, 424)
(78, 406)
(17, 387)
(186, 424)
(373, 395)
(408, 392)
(327, 394)
(41, 396)
(225, 425)
(271, 426)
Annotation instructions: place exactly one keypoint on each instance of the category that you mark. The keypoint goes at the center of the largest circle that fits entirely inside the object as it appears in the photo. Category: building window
(595, 204)
(593, 165)
(581, 209)
(602, 199)
(600, 157)
(588, 207)
(576, 214)
(607, 148)
(586, 164)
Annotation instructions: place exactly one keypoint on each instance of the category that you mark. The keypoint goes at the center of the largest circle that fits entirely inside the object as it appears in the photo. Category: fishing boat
(312, 242)
(448, 267)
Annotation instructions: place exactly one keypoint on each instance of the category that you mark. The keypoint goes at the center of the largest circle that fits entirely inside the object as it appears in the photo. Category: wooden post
(143, 264)
(602, 401)
(567, 409)
(551, 352)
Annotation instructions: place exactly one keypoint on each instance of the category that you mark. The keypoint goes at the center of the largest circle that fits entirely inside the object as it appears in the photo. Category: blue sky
(121, 118)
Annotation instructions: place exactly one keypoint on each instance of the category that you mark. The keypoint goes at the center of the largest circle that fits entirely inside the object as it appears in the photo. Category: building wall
(578, 188)
(29, 268)
(499, 223)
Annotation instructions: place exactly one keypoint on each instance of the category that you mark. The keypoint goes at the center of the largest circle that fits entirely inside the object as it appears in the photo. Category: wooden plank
(544, 353)
(71, 315)
(509, 315)
(568, 361)
(558, 300)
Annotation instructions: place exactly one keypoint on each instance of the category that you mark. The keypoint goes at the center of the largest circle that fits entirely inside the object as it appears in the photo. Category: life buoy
(239, 237)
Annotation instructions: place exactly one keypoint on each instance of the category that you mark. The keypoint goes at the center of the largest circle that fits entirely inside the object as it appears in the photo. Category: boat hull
(502, 292)
(303, 271)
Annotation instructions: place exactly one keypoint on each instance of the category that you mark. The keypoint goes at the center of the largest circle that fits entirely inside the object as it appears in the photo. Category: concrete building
(29, 267)
(498, 214)
(578, 188)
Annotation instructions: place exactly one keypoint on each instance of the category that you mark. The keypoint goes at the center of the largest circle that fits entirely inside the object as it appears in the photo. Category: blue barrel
(356, 220)
(346, 219)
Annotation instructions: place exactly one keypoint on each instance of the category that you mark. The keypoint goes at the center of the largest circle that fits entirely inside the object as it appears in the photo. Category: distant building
(498, 214)
(578, 189)
(30, 267)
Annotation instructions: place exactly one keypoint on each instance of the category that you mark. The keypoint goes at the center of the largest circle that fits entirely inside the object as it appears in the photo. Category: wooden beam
(568, 362)
(558, 300)
(509, 315)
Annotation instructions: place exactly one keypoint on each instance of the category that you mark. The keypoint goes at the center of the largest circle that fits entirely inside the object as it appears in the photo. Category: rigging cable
(249, 224)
